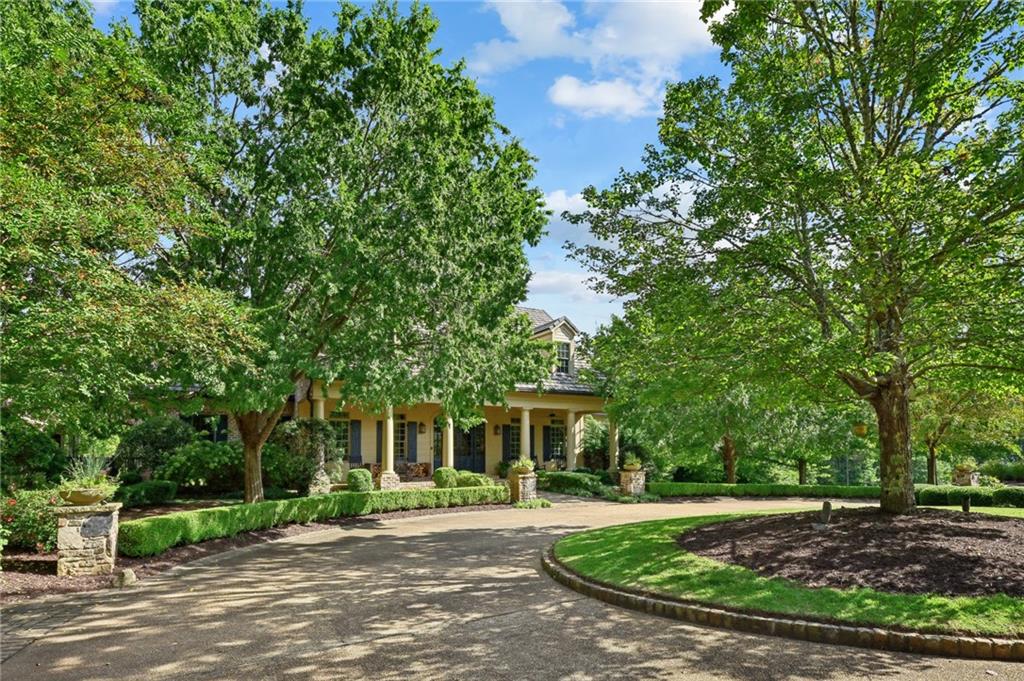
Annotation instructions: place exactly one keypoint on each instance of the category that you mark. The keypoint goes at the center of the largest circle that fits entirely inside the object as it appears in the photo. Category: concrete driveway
(457, 596)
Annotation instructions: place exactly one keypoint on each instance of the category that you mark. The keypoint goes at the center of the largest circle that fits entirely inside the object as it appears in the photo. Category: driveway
(458, 596)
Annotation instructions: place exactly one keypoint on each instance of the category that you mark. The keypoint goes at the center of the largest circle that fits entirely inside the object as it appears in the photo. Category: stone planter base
(388, 480)
(945, 645)
(632, 483)
(522, 486)
(86, 539)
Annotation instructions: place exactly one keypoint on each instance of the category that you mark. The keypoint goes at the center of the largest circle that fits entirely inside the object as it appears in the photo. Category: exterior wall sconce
(497, 429)
(422, 428)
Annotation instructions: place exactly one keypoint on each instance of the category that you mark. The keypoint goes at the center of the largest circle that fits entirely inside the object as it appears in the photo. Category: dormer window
(564, 358)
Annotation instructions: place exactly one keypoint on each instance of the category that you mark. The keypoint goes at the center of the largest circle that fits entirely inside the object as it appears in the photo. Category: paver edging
(943, 645)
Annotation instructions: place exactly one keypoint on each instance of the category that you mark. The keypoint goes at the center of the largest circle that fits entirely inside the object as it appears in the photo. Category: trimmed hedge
(569, 482)
(470, 479)
(1008, 496)
(151, 536)
(147, 493)
(927, 495)
(710, 489)
(359, 480)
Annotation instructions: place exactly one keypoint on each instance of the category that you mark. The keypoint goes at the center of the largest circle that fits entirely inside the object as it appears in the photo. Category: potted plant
(86, 481)
(631, 463)
(522, 466)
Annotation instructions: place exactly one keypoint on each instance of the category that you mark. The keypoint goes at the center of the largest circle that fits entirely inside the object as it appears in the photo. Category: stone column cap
(92, 508)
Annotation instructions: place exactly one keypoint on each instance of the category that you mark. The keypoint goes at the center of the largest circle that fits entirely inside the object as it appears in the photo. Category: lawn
(645, 556)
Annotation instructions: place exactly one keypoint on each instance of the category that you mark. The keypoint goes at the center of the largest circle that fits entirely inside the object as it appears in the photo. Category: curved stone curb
(818, 632)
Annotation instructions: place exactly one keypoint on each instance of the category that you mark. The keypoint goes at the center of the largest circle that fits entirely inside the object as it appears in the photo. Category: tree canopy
(846, 211)
(92, 192)
(377, 211)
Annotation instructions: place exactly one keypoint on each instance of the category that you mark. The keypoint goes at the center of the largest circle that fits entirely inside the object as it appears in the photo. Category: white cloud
(632, 49)
(103, 8)
(560, 201)
(615, 98)
(566, 285)
(558, 229)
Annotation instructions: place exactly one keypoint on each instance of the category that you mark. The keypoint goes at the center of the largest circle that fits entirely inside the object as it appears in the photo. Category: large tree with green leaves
(846, 211)
(92, 193)
(377, 209)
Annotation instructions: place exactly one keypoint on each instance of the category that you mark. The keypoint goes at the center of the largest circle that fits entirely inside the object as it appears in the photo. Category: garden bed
(27, 575)
(933, 551)
(646, 558)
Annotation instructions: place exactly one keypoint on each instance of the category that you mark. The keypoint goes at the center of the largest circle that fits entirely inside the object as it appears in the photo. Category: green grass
(646, 556)
(1009, 512)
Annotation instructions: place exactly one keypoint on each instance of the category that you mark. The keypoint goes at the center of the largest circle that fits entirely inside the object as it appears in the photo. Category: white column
(318, 408)
(613, 446)
(570, 441)
(524, 435)
(448, 455)
(388, 463)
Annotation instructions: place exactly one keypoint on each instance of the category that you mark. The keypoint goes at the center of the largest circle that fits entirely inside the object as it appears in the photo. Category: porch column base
(388, 480)
(632, 483)
(522, 486)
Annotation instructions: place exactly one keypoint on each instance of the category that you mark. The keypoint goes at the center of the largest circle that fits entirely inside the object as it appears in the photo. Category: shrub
(953, 495)
(359, 480)
(989, 481)
(1004, 470)
(470, 479)
(614, 494)
(28, 516)
(147, 445)
(532, 503)
(151, 536)
(502, 468)
(294, 464)
(445, 478)
(212, 466)
(1009, 496)
(147, 493)
(570, 482)
(29, 458)
(933, 496)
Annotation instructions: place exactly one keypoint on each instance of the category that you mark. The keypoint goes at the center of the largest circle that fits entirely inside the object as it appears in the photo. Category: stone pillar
(448, 455)
(86, 539)
(571, 454)
(318, 408)
(613, 446)
(632, 483)
(524, 435)
(388, 479)
(522, 486)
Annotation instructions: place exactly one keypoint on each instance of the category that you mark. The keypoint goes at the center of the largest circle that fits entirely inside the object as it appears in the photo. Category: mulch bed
(29, 575)
(932, 551)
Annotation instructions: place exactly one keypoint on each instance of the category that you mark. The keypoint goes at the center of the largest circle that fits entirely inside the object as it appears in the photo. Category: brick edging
(818, 632)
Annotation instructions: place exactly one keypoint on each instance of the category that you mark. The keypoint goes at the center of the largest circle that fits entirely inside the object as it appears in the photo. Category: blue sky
(580, 84)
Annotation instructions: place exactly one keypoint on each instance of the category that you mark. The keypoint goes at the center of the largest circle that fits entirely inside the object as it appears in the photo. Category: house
(546, 425)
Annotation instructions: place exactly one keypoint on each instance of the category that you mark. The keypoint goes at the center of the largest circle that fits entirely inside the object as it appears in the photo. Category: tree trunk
(933, 474)
(729, 458)
(801, 467)
(892, 408)
(254, 427)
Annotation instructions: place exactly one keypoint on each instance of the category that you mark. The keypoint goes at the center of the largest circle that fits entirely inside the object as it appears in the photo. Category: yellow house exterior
(551, 419)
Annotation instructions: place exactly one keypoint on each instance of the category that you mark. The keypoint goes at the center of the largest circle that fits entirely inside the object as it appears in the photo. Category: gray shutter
(411, 442)
(355, 447)
(533, 443)
(546, 442)
(380, 440)
(506, 443)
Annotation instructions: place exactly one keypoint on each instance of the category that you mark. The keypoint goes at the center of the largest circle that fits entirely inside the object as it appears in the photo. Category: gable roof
(542, 321)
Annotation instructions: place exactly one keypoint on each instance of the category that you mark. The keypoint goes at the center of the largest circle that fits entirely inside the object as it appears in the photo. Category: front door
(469, 449)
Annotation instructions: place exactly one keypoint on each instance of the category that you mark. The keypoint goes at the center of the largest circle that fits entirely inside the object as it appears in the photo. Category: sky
(581, 85)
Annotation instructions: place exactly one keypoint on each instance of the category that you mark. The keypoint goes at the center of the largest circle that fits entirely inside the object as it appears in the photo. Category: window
(514, 437)
(401, 438)
(564, 352)
(557, 438)
(340, 421)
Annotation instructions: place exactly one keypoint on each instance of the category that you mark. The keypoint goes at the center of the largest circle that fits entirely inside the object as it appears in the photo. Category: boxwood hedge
(151, 536)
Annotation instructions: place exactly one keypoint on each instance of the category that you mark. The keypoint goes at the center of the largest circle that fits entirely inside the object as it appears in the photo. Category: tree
(846, 212)
(89, 193)
(377, 209)
(960, 419)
